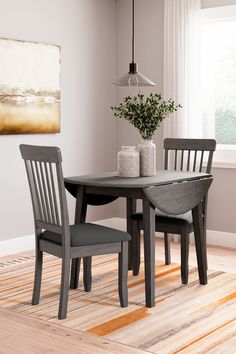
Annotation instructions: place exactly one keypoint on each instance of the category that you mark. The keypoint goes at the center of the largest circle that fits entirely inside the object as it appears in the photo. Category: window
(218, 77)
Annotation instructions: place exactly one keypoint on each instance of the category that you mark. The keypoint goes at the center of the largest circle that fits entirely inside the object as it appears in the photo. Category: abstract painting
(29, 87)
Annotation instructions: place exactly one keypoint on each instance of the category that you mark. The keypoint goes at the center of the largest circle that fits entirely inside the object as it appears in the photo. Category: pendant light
(133, 77)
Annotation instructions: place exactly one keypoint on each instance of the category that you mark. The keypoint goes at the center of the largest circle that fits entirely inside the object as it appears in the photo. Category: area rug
(186, 319)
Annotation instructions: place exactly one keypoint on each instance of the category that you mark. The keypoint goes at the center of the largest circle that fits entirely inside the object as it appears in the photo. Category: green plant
(146, 114)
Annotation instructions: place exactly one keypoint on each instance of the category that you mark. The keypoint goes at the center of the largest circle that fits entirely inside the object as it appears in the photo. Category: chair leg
(184, 240)
(167, 248)
(65, 278)
(75, 270)
(87, 278)
(37, 276)
(135, 247)
(123, 274)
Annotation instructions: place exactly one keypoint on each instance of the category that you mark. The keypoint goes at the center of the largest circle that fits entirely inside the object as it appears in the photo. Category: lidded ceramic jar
(128, 163)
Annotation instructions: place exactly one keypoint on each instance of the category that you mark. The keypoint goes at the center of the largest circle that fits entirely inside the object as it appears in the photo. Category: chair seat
(162, 218)
(89, 234)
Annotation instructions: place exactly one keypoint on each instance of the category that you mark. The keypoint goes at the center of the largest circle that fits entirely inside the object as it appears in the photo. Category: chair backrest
(189, 154)
(45, 177)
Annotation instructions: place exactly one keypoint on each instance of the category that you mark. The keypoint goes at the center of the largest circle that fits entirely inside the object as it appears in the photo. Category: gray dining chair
(184, 155)
(55, 236)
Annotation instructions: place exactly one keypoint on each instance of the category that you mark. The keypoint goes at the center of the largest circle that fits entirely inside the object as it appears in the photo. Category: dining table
(103, 188)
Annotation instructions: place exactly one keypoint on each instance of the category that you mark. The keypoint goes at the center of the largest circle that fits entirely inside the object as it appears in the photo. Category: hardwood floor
(26, 335)
(23, 334)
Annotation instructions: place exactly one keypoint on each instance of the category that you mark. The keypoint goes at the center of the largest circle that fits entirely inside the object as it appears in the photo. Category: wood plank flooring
(26, 335)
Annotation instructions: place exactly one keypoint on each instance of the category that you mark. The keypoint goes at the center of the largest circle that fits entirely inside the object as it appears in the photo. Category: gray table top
(111, 179)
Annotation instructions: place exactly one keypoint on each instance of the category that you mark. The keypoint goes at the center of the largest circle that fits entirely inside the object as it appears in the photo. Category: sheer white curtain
(181, 63)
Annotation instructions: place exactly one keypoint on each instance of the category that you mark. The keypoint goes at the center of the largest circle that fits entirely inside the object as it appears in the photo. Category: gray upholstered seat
(88, 234)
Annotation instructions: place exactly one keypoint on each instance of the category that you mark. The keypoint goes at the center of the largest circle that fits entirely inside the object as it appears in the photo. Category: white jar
(147, 151)
(128, 162)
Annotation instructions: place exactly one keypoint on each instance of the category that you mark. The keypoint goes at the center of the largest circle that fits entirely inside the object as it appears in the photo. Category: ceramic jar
(128, 162)
(147, 151)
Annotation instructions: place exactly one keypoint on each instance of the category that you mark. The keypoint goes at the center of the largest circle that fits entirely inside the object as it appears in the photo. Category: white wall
(85, 29)
(222, 196)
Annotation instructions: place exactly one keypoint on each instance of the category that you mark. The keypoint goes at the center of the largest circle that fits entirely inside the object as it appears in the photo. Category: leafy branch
(146, 114)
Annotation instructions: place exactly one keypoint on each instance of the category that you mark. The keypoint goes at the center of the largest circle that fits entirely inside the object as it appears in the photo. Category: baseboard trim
(220, 238)
(26, 243)
(16, 245)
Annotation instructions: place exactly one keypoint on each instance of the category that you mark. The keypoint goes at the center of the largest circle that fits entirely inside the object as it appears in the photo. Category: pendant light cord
(132, 31)
(133, 77)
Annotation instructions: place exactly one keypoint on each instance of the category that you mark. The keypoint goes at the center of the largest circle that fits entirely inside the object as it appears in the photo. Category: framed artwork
(29, 87)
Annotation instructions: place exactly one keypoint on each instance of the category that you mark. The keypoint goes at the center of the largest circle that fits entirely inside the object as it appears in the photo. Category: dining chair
(184, 155)
(55, 236)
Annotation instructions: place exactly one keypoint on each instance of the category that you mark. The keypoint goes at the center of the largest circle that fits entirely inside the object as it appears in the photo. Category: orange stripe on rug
(216, 343)
(204, 336)
(119, 322)
(219, 302)
(157, 276)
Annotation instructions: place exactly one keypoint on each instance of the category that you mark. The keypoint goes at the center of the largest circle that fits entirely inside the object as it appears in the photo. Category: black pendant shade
(133, 77)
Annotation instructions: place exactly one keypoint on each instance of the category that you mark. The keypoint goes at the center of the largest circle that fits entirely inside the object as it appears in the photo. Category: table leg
(87, 274)
(204, 230)
(149, 251)
(80, 216)
(75, 270)
(200, 243)
(130, 209)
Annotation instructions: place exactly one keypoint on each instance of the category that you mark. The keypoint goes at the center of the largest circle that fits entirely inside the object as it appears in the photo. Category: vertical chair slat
(41, 215)
(195, 160)
(182, 160)
(54, 194)
(188, 162)
(49, 219)
(166, 159)
(50, 194)
(41, 191)
(201, 162)
(176, 159)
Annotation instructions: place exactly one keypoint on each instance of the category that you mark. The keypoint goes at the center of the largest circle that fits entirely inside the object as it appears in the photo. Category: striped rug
(186, 319)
